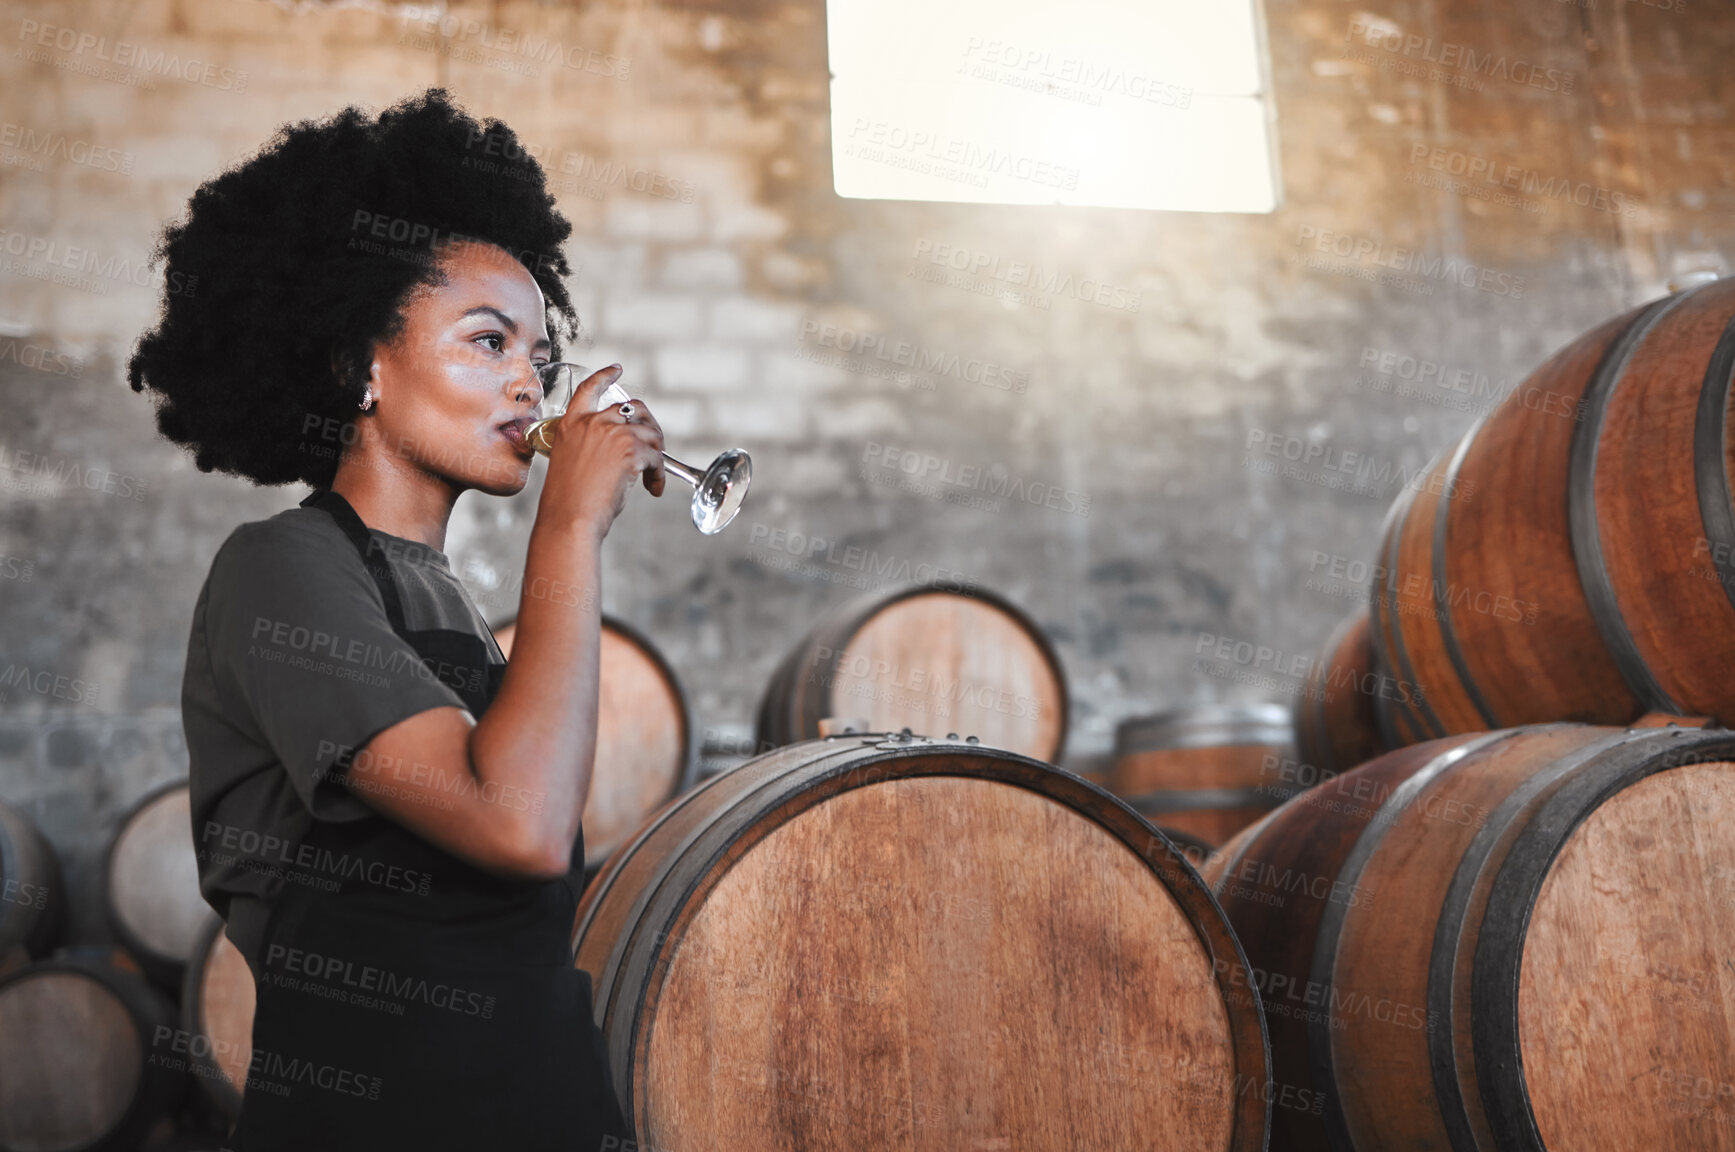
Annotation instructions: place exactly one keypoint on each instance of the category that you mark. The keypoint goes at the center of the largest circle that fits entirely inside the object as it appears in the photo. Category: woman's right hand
(594, 457)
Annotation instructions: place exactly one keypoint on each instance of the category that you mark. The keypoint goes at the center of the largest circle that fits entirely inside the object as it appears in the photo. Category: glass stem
(681, 471)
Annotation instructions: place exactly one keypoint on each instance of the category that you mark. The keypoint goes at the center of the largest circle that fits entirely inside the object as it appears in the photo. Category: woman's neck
(394, 497)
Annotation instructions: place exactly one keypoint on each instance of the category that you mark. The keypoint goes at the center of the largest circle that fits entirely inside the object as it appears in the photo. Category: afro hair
(303, 257)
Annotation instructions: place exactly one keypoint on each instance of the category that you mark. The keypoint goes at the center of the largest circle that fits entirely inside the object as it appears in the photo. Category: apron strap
(374, 561)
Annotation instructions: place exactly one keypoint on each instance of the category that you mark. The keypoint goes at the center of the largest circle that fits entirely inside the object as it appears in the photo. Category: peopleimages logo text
(57, 145)
(1528, 181)
(76, 259)
(1493, 65)
(1378, 253)
(1027, 274)
(919, 357)
(129, 55)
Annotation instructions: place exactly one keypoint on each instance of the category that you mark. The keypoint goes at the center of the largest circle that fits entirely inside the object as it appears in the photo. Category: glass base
(718, 495)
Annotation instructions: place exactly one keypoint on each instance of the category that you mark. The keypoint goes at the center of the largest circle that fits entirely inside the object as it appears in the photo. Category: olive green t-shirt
(291, 662)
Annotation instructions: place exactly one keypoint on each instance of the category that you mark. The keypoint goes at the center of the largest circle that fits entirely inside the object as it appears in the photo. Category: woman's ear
(373, 393)
(346, 371)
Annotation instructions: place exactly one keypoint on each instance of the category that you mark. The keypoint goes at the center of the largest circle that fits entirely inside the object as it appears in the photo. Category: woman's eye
(499, 341)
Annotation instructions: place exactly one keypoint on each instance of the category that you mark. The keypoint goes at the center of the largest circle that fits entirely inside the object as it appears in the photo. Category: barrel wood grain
(1380, 963)
(1509, 928)
(1584, 566)
(1625, 971)
(1512, 538)
(1276, 887)
(804, 1002)
(1648, 512)
(1403, 713)
(1420, 604)
(837, 919)
(932, 661)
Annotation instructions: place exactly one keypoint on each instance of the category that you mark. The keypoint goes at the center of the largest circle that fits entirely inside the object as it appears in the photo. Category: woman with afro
(386, 812)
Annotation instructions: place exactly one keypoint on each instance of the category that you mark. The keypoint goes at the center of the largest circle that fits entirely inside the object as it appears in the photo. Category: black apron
(407, 999)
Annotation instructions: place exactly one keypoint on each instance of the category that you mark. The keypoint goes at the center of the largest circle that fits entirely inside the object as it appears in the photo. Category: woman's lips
(513, 430)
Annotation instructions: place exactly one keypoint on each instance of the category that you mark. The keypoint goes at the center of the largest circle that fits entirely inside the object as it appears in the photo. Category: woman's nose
(528, 385)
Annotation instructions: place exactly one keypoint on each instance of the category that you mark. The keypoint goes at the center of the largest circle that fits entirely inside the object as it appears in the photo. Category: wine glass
(717, 491)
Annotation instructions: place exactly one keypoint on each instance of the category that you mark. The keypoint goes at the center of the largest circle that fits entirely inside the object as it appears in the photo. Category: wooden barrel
(217, 1003)
(1572, 557)
(646, 741)
(32, 902)
(1507, 940)
(1337, 724)
(891, 942)
(87, 1058)
(1209, 771)
(931, 661)
(151, 884)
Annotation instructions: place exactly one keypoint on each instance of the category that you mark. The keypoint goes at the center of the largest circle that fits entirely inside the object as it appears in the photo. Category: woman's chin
(507, 479)
(505, 470)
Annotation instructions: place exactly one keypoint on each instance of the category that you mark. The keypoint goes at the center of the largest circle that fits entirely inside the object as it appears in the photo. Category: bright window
(1103, 103)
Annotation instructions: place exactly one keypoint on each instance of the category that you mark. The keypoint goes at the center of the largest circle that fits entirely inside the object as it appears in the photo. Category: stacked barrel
(1513, 930)
(79, 1027)
(1507, 940)
(1572, 557)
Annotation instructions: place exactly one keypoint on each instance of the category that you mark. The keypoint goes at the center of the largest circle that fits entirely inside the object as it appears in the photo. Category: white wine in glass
(717, 491)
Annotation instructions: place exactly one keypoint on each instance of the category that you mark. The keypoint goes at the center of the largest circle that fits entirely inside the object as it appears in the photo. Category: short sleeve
(299, 637)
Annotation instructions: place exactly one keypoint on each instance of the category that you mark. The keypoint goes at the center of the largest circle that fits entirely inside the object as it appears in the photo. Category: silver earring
(367, 399)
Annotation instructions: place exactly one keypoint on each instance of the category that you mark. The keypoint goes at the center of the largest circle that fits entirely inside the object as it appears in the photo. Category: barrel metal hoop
(1442, 594)
(622, 1040)
(1331, 925)
(1391, 734)
(1150, 804)
(1233, 863)
(1204, 726)
(1711, 460)
(11, 866)
(1382, 644)
(1497, 967)
(1421, 711)
(1581, 516)
(606, 877)
(1443, 961)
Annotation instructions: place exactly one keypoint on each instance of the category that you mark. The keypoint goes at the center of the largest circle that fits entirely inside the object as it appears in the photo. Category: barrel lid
(1204, 726)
